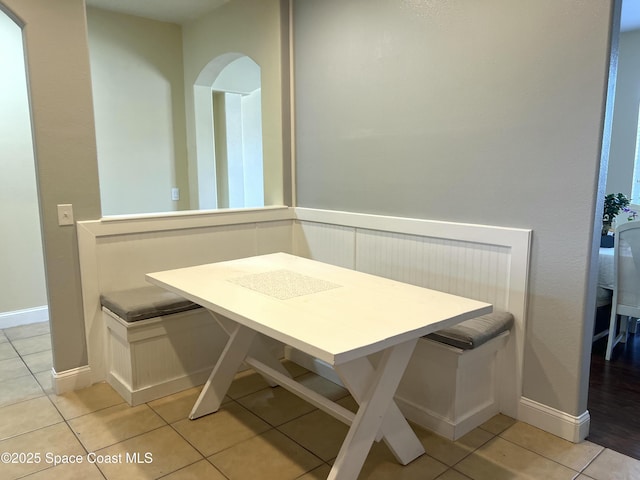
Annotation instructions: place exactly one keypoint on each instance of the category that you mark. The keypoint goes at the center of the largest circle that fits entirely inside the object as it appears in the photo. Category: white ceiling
(181, 11)
(174, 11)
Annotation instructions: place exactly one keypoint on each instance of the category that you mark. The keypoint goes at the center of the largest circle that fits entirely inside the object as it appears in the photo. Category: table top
(332, 313)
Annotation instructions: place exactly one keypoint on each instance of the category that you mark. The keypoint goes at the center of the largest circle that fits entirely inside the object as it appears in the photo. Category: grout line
(593, 459)
(192, 445)
(86, 452)
(193, 463)
(235, 400)
(539, 454)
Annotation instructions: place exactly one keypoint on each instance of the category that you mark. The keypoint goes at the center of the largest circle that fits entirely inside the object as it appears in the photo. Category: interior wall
(503, 126)
(254, 28)
(57, 60)
(138, 91)
(21, 264)
(482, 112)
(625, 115)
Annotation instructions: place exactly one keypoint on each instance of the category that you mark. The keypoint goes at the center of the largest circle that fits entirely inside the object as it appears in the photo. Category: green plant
(613, 204)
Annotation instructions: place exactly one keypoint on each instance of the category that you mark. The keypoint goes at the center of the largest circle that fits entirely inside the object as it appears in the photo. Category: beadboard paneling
(334, 244)
(473, 270)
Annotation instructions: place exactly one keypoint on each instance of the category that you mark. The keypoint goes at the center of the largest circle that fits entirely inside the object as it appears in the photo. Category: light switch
(65, 214)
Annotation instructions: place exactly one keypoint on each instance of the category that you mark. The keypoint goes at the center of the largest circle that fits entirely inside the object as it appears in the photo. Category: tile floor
(260, 433)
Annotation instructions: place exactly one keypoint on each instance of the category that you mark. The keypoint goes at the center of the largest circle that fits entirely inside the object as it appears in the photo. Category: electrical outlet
(175, 193)
(65, 214)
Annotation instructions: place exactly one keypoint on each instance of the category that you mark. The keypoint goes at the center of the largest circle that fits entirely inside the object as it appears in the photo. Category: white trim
(292, 107)
(159, 390)
(516, 239)
(444, 427)
(414, 226)
(129, 224)
(571, 428)
(24, 317)
(69, 380)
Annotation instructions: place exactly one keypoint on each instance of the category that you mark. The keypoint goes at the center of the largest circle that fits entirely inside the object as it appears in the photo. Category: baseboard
(153, 392)
(571, 428)
(24, 317)
(420, 415)
(69, 380)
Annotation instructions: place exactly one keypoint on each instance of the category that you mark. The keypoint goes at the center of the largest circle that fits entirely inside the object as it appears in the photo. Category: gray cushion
(145, 302)
(473, 333)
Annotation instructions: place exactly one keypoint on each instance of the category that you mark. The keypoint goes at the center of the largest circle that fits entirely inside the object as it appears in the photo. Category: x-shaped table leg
(378, 413)
(216, 387)
(242, 342)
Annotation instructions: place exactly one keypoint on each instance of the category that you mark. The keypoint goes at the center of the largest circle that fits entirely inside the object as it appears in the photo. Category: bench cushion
(473, 333)
(141, 303)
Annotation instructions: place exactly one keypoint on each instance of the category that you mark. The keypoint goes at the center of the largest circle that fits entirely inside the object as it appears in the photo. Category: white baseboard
(159, 390)
(426, 418)
(571, 428)
(24, 317)
(69, 380)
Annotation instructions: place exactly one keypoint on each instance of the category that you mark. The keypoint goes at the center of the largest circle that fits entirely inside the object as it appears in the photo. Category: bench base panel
(452, 391)
(153, 358)
(444, 389)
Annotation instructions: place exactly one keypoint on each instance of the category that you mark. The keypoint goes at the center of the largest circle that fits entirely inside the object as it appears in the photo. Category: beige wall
(21, 263)
(484, 112)
(62, 114)
(138, 91)
(253, 28)
(139, 97)
(500, 123)
(61, 98)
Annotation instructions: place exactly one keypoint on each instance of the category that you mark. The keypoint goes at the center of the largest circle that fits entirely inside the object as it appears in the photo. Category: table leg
(258, 349)
(235, 351)
(374, 390)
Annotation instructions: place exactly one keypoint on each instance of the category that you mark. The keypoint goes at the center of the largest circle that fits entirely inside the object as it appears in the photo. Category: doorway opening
(228, 108)
(22, 277)
(611, 383)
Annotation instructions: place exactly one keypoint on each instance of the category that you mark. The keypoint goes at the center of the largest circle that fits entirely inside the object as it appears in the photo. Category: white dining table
(335, 314)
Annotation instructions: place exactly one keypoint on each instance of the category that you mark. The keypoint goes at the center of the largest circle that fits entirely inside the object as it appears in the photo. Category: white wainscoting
(484, 262)
(474, 270)
(153, 358)
(116, 253)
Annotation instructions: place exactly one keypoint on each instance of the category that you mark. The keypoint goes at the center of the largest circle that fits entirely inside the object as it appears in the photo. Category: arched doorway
(227, 105)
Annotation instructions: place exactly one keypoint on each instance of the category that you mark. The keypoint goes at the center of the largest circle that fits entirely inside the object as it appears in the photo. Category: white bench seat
(140, 303)
(157, 343)
(452, 382)
(475, 332)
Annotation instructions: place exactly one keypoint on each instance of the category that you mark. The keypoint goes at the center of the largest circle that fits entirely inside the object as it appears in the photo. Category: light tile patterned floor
(260, 433)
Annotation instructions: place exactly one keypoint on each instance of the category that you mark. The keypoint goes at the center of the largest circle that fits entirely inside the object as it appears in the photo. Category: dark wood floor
(614, 397)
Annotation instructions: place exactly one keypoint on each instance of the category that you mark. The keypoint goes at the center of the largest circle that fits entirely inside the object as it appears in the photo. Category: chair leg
(624, 328)
(599, 335)
(611, 340)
